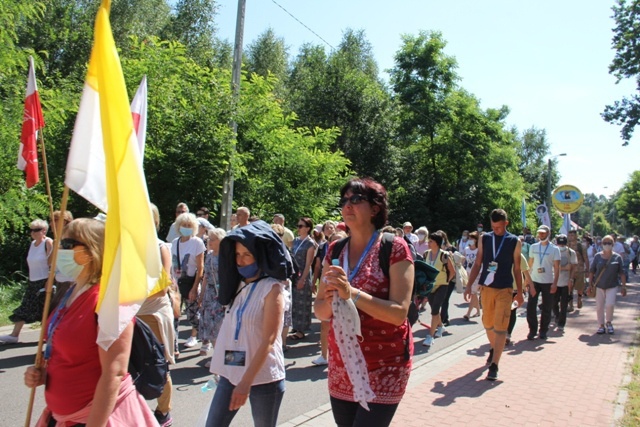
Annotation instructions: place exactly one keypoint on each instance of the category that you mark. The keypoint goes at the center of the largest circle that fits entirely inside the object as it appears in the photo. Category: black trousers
(444, 311)
(560, 303)
(543, 289)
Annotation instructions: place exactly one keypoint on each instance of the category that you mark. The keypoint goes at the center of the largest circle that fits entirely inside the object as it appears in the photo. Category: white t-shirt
(188, 252)
(249, 335)
(470, 255)
(543, 259)
(568, 256)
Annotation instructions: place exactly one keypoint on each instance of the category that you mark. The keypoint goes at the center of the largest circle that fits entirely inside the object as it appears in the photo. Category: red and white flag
(139, 114)
(32, 122)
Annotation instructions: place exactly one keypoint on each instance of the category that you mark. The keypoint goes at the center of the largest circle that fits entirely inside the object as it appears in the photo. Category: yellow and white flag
(131, 267)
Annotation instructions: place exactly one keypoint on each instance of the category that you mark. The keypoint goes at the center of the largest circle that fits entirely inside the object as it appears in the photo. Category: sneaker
(428, 341)
(579, 301)
(205, 349)
(191, 342)
(610, 328)
(493, 372)
(320, 361)
(570, 307)
(441, 330)
(446, 323)
(543, 335)
(561, 328)
(531, 336)
(164, 420)
(8, 339)
(490, 358)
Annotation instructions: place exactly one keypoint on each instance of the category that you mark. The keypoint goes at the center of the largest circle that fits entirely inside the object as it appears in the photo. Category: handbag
(591, 292)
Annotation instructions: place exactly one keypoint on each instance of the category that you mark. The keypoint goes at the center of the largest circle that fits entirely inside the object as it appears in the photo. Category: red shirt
(383, 344)
(74, 367)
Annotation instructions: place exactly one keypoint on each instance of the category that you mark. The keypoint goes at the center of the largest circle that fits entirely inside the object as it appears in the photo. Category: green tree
(268, 54)
(626, 65)
(628, 202)
(532, 150)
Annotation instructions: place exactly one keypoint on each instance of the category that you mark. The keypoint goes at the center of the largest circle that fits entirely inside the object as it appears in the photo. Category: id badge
(493, 266)
(235, 357)
(541, 270)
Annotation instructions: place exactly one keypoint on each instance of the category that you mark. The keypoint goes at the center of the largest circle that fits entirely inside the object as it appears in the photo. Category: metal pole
(549, 183)
(227, 185)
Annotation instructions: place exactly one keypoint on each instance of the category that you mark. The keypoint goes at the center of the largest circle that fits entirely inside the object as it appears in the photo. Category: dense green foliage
(305, 123)
(626, 65)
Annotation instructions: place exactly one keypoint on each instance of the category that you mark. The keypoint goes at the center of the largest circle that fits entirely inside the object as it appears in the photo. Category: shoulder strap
(338, 246)
(386, 246)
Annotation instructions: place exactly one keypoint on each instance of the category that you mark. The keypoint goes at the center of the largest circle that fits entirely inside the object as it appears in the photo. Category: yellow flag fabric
(131, 266)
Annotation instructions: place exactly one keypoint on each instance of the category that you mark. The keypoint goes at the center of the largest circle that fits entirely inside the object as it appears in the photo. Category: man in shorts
(498, 254)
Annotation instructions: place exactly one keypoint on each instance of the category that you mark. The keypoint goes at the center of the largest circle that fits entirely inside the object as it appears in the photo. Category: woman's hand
(239, 396)
(193, 294)
(300, 284)
(33, 377)
(335, 279)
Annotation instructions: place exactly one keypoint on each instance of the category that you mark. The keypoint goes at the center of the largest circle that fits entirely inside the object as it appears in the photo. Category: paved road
(306, 383)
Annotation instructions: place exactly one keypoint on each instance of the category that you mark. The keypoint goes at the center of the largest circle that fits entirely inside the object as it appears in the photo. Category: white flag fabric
(139, 114)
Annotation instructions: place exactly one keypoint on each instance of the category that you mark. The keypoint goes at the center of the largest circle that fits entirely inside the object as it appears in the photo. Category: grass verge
(631, 416)
(10, 296)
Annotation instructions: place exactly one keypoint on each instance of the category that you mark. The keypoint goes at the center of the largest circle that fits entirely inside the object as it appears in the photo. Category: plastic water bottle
(210, 385)
(514, 305)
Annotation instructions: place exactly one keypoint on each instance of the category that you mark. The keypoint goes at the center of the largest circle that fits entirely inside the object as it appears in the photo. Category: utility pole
(227, 185)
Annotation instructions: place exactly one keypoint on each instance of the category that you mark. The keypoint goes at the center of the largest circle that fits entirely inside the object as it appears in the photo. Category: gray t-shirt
(543, 259)
(611, 276)
(567, 256)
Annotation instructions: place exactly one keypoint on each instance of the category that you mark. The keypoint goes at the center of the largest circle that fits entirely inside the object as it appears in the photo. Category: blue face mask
(67, 265)
(249, 271)
(186, 231)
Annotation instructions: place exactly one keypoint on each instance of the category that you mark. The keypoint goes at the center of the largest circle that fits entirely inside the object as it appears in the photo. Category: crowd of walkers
(249, 291)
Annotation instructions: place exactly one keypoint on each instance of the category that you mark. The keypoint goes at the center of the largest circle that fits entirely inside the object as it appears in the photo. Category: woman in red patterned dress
(368, 375)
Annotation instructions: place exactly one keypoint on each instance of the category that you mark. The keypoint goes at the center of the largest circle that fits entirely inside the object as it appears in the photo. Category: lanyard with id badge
(541, 269)
(236, 356)
(493, 265)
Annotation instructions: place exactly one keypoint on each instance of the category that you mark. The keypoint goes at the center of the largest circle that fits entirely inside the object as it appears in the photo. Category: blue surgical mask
(67, 265)
(186, 231)
(249, 271)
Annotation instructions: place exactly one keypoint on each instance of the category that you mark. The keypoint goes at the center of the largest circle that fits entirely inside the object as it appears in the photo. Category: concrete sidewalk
(571, 379)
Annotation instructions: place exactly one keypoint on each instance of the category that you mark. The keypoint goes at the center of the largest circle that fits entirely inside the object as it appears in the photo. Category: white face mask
(607, 246)
(472, 243)
(421, 236)
(464, 238)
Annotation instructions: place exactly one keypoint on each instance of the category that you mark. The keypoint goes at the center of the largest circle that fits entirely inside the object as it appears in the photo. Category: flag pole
(47, 301)
(46, 180)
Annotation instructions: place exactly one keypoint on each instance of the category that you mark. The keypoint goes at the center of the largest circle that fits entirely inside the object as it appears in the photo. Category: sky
(546, 60)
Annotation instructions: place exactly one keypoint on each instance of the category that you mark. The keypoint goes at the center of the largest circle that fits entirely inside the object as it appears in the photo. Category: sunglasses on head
(355, 199)
(70, 243)
(35, 230)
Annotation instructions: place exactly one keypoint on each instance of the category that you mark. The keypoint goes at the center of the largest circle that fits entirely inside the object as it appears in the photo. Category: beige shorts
(579, 282)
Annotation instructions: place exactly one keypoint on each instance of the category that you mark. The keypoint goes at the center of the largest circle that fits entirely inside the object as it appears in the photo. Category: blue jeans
(351, 414)
(265, 402)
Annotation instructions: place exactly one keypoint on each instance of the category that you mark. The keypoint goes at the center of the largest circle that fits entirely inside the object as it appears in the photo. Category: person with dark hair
(470, 254)
(248, 353)
(497, 264)
(203, 212)
(369, 366)
(456, 258)
(304, 249)
(436, 257)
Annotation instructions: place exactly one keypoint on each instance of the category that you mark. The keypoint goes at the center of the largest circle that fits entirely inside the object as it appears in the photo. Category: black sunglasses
(70, 243)
(36, 230)
(355, 199)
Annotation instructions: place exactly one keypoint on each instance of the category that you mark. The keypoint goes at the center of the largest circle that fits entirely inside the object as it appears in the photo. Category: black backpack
(147, 364)
(386, 246)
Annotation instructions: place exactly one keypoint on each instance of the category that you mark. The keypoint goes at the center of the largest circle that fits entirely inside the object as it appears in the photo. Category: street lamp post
(549, 177)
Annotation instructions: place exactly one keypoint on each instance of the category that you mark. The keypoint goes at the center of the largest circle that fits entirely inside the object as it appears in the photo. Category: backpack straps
(386, 246)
